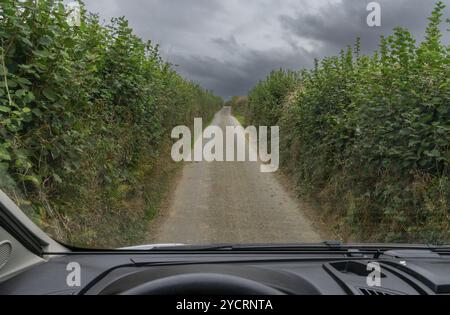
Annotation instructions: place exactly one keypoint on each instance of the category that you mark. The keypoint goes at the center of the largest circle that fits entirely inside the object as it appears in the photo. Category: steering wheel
(202, 284)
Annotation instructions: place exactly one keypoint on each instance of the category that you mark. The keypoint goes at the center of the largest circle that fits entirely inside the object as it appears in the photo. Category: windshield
(125, 123)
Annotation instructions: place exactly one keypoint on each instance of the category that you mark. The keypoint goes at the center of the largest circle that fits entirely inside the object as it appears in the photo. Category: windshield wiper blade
(324, 246)
(237, 247)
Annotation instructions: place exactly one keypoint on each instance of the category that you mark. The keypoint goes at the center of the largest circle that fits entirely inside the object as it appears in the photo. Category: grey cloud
(237, 78)
(230, 45)
(160, 20)
(338, 25)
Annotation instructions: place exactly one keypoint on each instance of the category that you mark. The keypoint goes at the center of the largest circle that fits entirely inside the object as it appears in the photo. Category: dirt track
(231, 202)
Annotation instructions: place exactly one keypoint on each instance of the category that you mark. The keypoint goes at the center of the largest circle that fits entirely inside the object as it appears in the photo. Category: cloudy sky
(229, 45)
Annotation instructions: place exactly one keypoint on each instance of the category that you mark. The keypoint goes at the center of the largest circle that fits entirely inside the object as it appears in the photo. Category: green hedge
(369, 136)
(85, 110)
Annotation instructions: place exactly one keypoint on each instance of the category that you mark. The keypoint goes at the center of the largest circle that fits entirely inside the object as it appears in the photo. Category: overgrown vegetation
(369, 136)
(239, 107)
(85, 120)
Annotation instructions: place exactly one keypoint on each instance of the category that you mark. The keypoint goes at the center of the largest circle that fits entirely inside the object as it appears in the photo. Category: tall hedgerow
(85, 117)
(369, 136)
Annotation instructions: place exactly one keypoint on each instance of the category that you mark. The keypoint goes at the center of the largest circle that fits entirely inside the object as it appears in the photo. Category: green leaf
(37, 112)
(30, 97)
(11, 84)
(5, 109)
(49, 94)
(57, 178)
(405, 132)
(41, 53)
(23, 81)
(4, 154)
(27, 42)
(34, 179)
(435, 153)
(20, 93)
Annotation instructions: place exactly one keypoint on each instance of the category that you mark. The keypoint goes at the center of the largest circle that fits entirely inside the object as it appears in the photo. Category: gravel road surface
(231, 202)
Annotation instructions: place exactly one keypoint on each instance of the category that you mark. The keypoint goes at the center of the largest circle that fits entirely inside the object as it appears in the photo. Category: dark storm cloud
(159, 20)
(339, 24)
(237, 78)
(228, 45)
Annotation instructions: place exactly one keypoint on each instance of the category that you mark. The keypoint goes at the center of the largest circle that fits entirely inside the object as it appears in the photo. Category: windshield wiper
(248, 247)
(328, 245)
(324, 246)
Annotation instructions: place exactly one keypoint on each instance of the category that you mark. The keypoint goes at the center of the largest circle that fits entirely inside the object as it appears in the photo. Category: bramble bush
(85, 120)
(369, 136)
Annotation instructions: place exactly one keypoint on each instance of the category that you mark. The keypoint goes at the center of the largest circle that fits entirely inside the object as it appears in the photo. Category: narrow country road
(231, 202)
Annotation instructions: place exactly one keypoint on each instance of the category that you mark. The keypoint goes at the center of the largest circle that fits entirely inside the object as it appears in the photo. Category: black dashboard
(402, 272)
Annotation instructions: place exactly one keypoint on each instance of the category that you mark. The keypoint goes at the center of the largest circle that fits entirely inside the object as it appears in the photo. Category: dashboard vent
(371, 291)
(5, 253)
